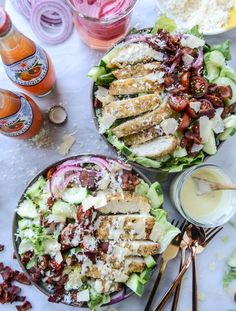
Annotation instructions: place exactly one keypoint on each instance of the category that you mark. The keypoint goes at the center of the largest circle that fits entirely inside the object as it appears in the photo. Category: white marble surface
(20, 160)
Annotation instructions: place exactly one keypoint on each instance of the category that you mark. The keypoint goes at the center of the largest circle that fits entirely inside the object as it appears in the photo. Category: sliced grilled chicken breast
(135, 71)
(142, 137)
(134, 53)
(143, 122)
(129, 203)
(131, 86)
(158, 147)
(132, 107)
(133, 248)
(117, 272)
(137, 227)
(104, 286)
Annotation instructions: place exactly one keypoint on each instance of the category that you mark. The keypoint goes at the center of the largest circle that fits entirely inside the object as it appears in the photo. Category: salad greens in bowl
(87, 231)
(165, 100)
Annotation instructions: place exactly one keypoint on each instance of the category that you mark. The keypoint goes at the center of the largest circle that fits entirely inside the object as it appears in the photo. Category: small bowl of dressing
(211, 209)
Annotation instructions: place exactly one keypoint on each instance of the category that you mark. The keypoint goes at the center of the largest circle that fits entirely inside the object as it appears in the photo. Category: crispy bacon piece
(1, 247)
(129, 181)
(225, 92)
(20, 298)
(67, 236)
(35, 274)
(27, 256)
(8, 292)
(215, 100)
(7, 274)
(57, 296)
(170, 79)
(24, 307)
(21, 278)
(87, 179)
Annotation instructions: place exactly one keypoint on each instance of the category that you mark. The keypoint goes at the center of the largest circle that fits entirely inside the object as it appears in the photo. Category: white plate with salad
(163, 99)
(87, 231)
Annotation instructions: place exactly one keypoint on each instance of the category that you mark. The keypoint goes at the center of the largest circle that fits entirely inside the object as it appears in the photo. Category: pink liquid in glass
(100, 23)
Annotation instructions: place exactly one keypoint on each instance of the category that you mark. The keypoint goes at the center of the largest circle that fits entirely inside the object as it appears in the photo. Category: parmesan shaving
(68, 141)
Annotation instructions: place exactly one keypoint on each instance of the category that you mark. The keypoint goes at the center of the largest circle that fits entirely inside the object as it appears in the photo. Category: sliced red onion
(122, 165)
(57, 181)
(23, 6)
(135, 38)
(199, 61)
(41, 8)
(117, 297)
(102, 163)
(115, 9)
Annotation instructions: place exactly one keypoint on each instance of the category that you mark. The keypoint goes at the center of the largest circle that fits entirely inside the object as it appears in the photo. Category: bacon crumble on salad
(165, 100)
(89, 227)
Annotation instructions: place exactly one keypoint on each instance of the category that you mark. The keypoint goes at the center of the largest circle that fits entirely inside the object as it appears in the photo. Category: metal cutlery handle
(154, 289)
(177, 291)
(174, 285)
(194, 284)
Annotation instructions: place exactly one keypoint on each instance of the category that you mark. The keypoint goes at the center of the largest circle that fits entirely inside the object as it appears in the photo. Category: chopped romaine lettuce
(196, 32)
(97, 300)
(165, 231)
(224, 48)
(168, 163)
(164, 22)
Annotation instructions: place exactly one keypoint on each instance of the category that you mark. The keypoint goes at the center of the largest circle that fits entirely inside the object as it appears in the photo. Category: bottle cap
(5, 22)
(57, 114)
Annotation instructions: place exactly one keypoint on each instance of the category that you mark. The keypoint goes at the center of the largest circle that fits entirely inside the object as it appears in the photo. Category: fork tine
(210, 231)
(210, 237)
(183, 225)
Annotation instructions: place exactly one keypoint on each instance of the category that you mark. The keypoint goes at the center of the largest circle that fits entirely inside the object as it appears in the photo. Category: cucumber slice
(213, 72)
(216, 58)
(74, 195)
(227, 133)
(155, 195)
(105, 79)
(34, 190)
(227, 81)
(150, 261)
(63, 209)
(96, 72)
(135, 284)
(180, 152)
(27, 209)
(142, 188)
(210, 146)
(232, 261)
(145, 276)
(230, 121)
(108, 57)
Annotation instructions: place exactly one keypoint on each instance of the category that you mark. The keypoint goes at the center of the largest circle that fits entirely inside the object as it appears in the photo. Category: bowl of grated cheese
(188, 13)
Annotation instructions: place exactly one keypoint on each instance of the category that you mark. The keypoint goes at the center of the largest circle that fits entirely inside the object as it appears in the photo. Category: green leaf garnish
(164, 22)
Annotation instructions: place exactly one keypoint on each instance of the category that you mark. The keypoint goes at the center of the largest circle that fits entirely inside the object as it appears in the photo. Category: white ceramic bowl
(213, 32)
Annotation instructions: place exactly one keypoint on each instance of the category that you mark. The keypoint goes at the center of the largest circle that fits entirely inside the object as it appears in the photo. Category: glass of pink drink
(100, 23)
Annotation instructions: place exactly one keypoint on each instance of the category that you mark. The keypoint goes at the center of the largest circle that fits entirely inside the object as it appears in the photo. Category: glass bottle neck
(11, 40)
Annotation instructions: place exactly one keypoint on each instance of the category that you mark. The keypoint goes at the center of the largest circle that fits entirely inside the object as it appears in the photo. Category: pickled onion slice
(61, 11)
(106, 10)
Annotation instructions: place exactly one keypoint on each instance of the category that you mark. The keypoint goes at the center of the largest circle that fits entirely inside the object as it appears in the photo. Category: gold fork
(210, 234)
(170, 253)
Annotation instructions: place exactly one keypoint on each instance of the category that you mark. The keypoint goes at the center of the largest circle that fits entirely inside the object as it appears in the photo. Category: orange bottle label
(30, 70)
(19, 122)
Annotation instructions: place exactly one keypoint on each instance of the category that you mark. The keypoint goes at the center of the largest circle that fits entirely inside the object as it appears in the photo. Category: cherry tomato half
(178, 102)
(215, 100)
(184, 123)
(198, 86)
(190, 111)
(225, 92)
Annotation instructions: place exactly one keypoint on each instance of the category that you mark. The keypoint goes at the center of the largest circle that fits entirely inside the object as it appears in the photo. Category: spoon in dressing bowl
(204, 186)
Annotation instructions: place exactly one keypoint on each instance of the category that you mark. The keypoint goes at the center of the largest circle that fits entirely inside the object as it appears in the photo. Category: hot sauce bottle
(26, 63)
(20, 117)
